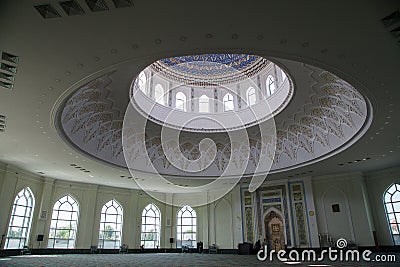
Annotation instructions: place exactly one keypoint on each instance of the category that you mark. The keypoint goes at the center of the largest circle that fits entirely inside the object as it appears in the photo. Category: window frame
(26, 221)
(71, 242)
(192, 242)
(183, 99)
(226, 99)
(204, 103)
(119, 213)
(157, 219)
(159, 99)
(142, 81)
(249, 90)
(395, 236)
(270, 81)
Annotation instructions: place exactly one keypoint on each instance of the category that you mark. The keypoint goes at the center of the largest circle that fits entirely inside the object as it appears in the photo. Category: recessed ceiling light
(96, 5)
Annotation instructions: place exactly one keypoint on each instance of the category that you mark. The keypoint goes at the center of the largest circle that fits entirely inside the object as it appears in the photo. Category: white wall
(91, 199)
(361, 212)
(352, 220)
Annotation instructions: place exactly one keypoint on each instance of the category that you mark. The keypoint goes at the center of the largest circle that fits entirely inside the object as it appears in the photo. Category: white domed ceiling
(325, 116)
(212, 92)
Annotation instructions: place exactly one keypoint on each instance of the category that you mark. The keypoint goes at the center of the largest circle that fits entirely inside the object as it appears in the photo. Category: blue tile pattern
(210, 64)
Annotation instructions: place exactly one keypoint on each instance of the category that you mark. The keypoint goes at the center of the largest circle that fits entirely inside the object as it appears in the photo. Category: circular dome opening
(197, 92)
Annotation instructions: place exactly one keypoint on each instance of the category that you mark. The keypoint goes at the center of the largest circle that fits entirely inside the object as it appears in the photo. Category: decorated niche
(257, 208)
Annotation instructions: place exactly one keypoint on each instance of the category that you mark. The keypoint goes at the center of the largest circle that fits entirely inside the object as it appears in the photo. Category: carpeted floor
(145, 260)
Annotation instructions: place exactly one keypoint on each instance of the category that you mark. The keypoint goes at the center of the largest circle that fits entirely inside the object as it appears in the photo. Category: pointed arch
(204, 104)
(159, 94)
(20, 220)
(228, 102)
(142, 82)
(180, 101)
(391, 201)
(186, 227)
(110, 231)
(64, 223)
(151, 223)
(251, 96)
(270, 83)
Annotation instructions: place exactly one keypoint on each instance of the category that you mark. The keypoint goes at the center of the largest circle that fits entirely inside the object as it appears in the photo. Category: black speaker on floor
(171, 240)
(39, 238)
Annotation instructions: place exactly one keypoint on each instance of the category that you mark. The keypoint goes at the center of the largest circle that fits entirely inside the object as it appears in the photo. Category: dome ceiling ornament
(313, 126)
(210, 69)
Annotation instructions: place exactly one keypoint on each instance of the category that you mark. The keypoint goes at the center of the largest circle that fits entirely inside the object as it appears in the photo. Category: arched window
(204, 104)
(251, 96)
(64, 223)
(142, 82)
(159, 94)
(283, 75)
(228, 102)
(187, 225)
(150, 237)
(21, 219)
(270, 85)
(391, 199)
(180, 101)
(110, 233)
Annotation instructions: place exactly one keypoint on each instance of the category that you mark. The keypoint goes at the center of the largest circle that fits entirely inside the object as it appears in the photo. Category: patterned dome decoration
(327, 120)
(210, 68)
(205, 65)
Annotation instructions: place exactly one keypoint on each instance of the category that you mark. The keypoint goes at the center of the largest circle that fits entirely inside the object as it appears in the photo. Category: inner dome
(197, 92)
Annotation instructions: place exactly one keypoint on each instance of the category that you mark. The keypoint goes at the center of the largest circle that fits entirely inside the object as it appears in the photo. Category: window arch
(270, 85)
(391, 199)
(21, 219)
(110, 233)
(64, 223)
(251, 96)
(228, 102)
(180, 101)
(142, 82)
(283, 75)
(204, 104)
(151, 217)
(186, 227)
(159, 94)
